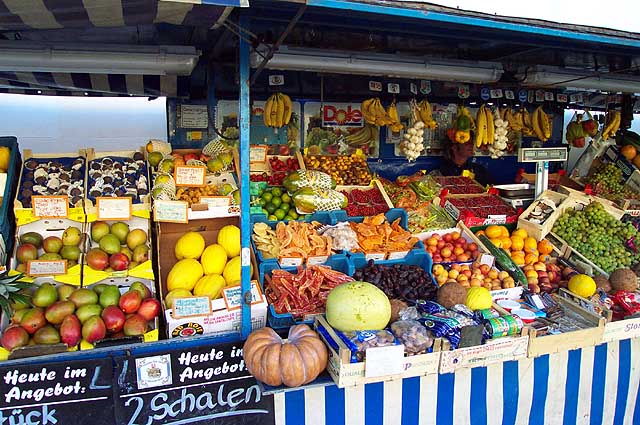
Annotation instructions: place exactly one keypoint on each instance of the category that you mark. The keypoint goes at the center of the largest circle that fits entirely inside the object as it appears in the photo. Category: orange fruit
(496, 241)
(506, 243)
(505, 232)
(493, 231)
(629, 152)
(522, 233)
(531, 258)
(545, 247)
(517, 243)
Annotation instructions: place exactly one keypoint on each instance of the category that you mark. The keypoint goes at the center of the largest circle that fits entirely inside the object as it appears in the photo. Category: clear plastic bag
(415, 337)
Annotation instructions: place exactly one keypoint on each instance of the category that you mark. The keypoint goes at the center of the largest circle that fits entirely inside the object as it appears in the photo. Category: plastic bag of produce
(415, 337)
(359, 341)
(309, 200)
(342, 236)
(308, 178)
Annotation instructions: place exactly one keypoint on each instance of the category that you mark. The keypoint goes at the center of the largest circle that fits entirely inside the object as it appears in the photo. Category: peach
(493, 274)
(475, 282)
(467, 273)
(455, 236)
(448, 237)
(462, 278)
(503, 275)
(540, 266)
(457, 267)
(453, 274)
(437, 269)
(472, 246)
(440, 244)
(449, 245)
(484, 268)
(531, 273)
(432, 249)
(437, 258)
(432, 241)
(542, 273)
(458, 250)
(532, 280)
(441, 279)
(445, 252)
(462, 257)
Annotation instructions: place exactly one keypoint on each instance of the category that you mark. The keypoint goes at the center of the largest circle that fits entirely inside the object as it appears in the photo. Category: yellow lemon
(184, 274)
(209, 286)
(176, 293)
(190, 245)
(229, 238)
(582, 285)
(5, 155)
(213, 259)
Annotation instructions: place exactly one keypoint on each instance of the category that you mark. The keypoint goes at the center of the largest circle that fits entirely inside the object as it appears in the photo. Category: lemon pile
(201, 270)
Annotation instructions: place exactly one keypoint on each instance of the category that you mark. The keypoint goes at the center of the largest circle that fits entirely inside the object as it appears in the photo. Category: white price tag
(257, 154)
(114, 208)
(375, 86)
(413, 88)
(317, 260)
(276, 80)
(397, 255)
(171, 211)
(383, 361)
(50, 206)
(393, 88)
(487, 259)
(192, 306)
(290, 261)
(509, 95)
(548, 95)
(46, 267)
(216, 201)
(562, 98)
(190, 175)
(375, 256)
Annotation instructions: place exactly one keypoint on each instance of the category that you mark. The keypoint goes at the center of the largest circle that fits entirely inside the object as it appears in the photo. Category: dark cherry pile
(279, 170)
(483, 206)
(459, 185)
(365, 202)
(402, 281)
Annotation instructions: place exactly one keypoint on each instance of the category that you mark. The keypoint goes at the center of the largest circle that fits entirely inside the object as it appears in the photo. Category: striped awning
(81, 84)
(21, 15)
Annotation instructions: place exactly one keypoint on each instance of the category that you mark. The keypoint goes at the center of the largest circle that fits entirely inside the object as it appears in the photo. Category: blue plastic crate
(338, 262)
(413, 258)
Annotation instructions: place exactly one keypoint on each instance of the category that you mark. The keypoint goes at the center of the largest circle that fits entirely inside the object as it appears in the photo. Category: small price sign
(562, 98)
(257, 154)
(46, 267)
(509, 95)
(540, 95)
(375, 86)
(393, 88)
(171, 211)
(50, 206)
(413, 88)
(216, 201)
(425, 86)
(190, 175)
(548, 96)
(276, 80)
(191, 306)
(496, 94)
(463, 91)
(114, 208)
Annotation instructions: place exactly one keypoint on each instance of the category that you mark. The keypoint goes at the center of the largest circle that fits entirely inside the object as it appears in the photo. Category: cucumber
(505, 262)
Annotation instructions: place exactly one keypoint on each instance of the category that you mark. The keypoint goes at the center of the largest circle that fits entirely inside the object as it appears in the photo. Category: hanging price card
(548, 96)
(114, 208)
(50, 206)
(509, 95)
(257, 154)
(539, 95)
(562, 98)
(375, 86)
(413, 88)
(191, 306)
(46, 267)
(171, 211)
(393, 88)
(190, 175)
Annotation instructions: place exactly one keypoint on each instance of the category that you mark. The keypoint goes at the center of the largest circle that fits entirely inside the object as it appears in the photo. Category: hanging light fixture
(563, 77)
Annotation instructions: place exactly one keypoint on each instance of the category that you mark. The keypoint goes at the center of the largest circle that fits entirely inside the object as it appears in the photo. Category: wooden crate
(548, 344)
(347, 374)
(374, 183)
(539, 231)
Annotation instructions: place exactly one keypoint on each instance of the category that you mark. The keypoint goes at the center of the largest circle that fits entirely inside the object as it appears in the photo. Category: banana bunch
(541, 124)
(392, 111)
(374, 113)
(485, 127)
(277, 110)
(425, 112)
(612, 124)
(527, 127)
(361, 137)
(515, 120)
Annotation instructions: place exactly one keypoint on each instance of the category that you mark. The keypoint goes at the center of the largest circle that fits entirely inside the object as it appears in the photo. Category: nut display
(118, 177)
(52, 177)
(345, 170)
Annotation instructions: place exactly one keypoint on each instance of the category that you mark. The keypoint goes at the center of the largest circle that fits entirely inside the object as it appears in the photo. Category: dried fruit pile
(402, 281)
(459, 185)
(279, 170)
(345, 170)
(304, 292)
(365, 202)
(291, 239)
(483, 206)
(375, 234)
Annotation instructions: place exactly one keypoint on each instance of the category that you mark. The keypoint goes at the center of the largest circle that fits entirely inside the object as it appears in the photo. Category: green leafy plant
(10, 291)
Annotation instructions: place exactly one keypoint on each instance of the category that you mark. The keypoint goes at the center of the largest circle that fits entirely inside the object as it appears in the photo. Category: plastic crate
(338, 262)
(325, 217)
(414, 258)
(7, 218)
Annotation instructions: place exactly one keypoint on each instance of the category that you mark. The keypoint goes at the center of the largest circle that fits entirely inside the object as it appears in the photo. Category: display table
(595, 385)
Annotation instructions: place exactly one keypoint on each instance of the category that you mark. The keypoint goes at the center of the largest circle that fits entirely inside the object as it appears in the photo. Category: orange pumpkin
(293, 362)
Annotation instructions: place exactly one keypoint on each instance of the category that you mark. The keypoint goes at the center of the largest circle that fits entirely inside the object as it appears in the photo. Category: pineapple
(10, 291)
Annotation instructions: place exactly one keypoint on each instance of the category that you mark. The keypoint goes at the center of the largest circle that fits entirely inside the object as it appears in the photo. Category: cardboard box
(539, 231)
(224, 317)
(347, 374)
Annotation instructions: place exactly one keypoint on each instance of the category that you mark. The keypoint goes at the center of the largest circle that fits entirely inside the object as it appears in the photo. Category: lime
(279, 213)
(285, 207)
(276, 191)
(276, 201)
(272, 218)
(267, 196)
(262, 202)
(265, 212)
(285, 198)
(270, 207)
(293, 214)
(288, 217)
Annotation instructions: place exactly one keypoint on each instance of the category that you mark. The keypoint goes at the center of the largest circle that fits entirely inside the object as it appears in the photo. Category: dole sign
(342, 115)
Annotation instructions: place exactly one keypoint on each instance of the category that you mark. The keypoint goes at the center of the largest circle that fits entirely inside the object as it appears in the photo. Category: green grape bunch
(598, 236)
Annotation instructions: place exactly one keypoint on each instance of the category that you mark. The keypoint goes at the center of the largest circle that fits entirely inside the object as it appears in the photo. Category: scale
(542, 157)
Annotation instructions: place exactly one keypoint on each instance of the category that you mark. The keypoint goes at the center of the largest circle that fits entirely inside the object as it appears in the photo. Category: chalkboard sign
(206, 384)
(78, 392)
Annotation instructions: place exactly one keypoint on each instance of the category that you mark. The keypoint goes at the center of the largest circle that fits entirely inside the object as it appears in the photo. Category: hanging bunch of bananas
(426, 114)
(392, 111)
(485, 132)
(541, 124)
(612, 124)
(277, 110)
(374, 113)
(515, 120)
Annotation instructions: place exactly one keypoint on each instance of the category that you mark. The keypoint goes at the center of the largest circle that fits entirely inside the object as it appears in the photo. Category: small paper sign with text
(50, 206)
(46, 267)
(114, 208)
(171, 211)
(191, 306)
(190, 175)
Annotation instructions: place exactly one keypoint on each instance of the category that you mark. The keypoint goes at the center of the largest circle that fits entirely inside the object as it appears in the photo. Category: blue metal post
(245, 222)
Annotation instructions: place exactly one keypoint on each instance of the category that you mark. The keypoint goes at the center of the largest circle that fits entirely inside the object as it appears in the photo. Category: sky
(614, 14)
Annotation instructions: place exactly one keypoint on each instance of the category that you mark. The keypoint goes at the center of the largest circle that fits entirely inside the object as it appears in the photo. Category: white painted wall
(50, 124)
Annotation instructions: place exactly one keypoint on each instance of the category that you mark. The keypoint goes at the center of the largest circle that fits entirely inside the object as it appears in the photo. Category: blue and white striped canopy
(49, 15)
